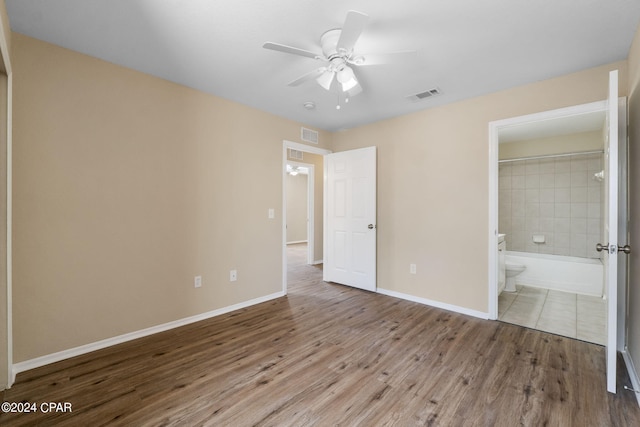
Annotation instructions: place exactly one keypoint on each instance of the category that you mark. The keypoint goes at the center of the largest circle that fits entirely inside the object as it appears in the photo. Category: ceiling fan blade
(353, 27)
(292, 50)
(383, 58)
(309, 76)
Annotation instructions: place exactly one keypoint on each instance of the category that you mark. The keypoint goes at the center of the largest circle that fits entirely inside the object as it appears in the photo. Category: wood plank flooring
(332, 355)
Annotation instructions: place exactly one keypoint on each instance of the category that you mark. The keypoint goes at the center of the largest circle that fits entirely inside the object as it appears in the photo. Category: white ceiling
(465, 47)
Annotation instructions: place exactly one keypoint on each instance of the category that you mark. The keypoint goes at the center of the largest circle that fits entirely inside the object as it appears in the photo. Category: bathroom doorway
(550, 205)
(547, 189)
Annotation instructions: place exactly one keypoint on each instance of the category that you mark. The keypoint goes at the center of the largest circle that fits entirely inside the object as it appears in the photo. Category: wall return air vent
(309, 135)
(296, 154)
(426, 94)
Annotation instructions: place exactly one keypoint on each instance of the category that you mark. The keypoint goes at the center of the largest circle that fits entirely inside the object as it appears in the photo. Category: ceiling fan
(337, 52)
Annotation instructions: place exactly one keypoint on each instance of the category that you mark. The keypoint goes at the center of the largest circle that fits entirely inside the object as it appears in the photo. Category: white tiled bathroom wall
(557, 197)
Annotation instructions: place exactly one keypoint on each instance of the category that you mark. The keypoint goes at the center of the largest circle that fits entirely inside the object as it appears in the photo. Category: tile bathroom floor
(570, 315)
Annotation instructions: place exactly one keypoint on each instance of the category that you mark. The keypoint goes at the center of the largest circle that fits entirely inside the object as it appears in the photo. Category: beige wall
(125, 188)
(633, 334)
(573, 143)
(318, 162)
(433, 185)
(297, 206)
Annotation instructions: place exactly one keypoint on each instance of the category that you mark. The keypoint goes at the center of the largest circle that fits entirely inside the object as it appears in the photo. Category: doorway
(300, 201)
(301, 156)
(550, 204)
(576, 119)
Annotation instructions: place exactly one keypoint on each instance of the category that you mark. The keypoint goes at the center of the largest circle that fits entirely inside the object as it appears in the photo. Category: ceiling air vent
(309, 135)
(426, 94)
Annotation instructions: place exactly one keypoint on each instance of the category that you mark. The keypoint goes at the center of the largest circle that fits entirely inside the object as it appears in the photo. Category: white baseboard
(87, 348)
(633, 374)
(432, 303)
(295, 242)
(318, 261)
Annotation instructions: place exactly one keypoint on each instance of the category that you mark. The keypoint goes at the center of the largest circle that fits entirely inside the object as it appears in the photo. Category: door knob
(626, 249)
(371, 226)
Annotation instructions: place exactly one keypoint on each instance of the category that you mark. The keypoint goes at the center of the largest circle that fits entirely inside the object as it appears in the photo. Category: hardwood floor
(332, 355)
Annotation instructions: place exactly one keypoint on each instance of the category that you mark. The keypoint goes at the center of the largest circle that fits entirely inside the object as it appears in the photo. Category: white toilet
(512, 270)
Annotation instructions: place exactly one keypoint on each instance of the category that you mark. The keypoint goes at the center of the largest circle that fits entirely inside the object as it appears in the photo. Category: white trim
(6, 58)
(311, 206)
(87, 348)
(305, 148)
(611, 216)
(494, 128)
(308, 149)
(633, 374)
(325, 212)
(432, 303)
(493, 222)
(318, 261)
(295, 242)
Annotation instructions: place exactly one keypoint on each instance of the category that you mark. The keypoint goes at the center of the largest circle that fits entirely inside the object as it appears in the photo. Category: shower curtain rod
(547, 156)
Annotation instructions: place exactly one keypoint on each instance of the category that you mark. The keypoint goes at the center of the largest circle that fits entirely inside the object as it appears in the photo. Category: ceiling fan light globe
(345, 75)
(325, 80)
(349, 84)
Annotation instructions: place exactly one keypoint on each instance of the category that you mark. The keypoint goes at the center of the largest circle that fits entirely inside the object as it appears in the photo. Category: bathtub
(562, 273)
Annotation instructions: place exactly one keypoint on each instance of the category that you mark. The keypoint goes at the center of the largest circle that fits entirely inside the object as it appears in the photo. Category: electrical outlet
(197, 281)
(412, 268)
(233, 275)
(272, 213)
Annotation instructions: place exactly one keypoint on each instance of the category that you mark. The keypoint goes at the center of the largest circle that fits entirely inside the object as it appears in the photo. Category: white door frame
(8, 372)
(310, 207)
(307, 149)
(494, 129)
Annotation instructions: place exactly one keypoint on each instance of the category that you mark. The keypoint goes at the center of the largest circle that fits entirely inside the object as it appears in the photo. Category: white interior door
(609, 246)
(350, 223)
